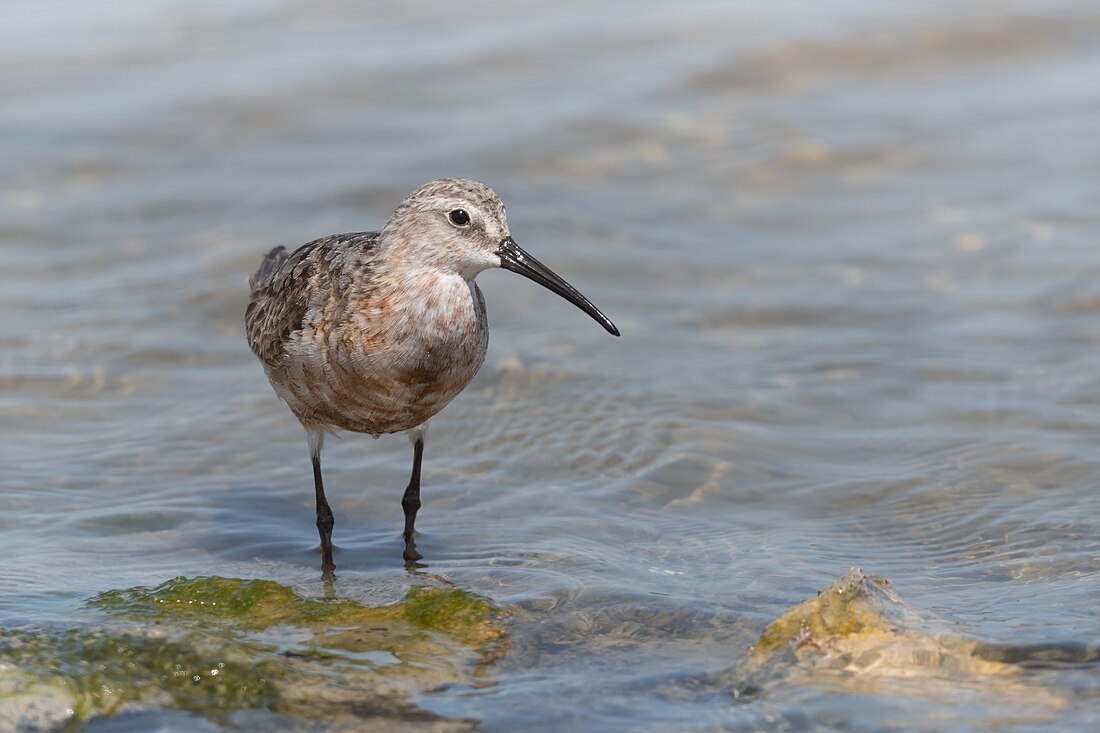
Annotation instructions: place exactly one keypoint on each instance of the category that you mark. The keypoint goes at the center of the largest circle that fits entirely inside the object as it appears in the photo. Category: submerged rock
(859, 635)
(30, 705)
(217, 646)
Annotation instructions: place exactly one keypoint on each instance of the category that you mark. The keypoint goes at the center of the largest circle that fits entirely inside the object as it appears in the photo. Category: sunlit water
(852, 249)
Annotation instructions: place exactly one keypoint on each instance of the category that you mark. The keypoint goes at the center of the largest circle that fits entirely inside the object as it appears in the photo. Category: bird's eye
(459, 217)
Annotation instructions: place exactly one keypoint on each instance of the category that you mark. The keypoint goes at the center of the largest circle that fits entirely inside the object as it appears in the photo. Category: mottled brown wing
(284, 285)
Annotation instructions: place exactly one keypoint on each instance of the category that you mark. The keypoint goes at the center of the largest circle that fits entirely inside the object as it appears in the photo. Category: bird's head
(459, 225)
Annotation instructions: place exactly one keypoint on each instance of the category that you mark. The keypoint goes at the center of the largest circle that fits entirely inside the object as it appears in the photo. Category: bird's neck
(423, 301)
(423, 257)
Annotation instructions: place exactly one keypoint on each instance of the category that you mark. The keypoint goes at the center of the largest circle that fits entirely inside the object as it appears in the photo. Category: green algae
(454, 611)
(103, 670)
(244, 601)
(212, 645)
(257, 605)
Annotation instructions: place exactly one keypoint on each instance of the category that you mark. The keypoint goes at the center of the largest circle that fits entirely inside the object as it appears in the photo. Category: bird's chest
(428, 338)
(387, 360)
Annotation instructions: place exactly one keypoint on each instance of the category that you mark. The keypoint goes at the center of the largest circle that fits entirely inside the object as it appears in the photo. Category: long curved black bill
(514, 258)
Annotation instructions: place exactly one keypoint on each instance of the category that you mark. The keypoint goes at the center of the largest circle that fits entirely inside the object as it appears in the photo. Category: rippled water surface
(852, 249)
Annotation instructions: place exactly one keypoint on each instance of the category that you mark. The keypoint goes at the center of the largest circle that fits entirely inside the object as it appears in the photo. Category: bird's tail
(272, 261)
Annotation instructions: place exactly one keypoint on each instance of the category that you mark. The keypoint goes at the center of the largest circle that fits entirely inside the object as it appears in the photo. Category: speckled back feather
(285, 284)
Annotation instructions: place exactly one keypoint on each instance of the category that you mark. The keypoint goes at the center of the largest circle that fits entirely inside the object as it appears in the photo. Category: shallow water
(852, 252)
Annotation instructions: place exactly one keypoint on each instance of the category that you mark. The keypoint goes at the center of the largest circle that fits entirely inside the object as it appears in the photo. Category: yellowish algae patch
(855, 605)
(858, 636)
(212, 645)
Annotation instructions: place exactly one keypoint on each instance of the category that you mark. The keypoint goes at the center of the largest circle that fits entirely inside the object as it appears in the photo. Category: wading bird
(375, 332)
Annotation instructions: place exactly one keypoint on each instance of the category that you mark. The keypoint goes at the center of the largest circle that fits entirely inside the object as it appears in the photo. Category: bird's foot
(410, 554)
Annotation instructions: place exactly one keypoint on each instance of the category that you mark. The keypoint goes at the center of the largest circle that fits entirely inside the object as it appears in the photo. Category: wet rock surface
(246, 651)
(858, 634)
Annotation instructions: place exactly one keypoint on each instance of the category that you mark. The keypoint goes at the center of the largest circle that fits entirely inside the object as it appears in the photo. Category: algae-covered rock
(859, 635)
(213, 645)
(257, 605)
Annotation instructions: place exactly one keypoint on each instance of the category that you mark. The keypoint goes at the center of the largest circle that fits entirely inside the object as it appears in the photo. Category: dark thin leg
(324, 521)
(411, 501)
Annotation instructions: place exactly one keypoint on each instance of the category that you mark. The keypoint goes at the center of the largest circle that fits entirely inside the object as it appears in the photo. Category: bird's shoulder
(325, 256)
(286, 286)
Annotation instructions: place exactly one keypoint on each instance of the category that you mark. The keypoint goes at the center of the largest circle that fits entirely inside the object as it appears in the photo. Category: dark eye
(459, 217)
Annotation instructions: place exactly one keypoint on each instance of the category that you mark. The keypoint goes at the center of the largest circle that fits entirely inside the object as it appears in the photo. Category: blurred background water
(852, 248)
